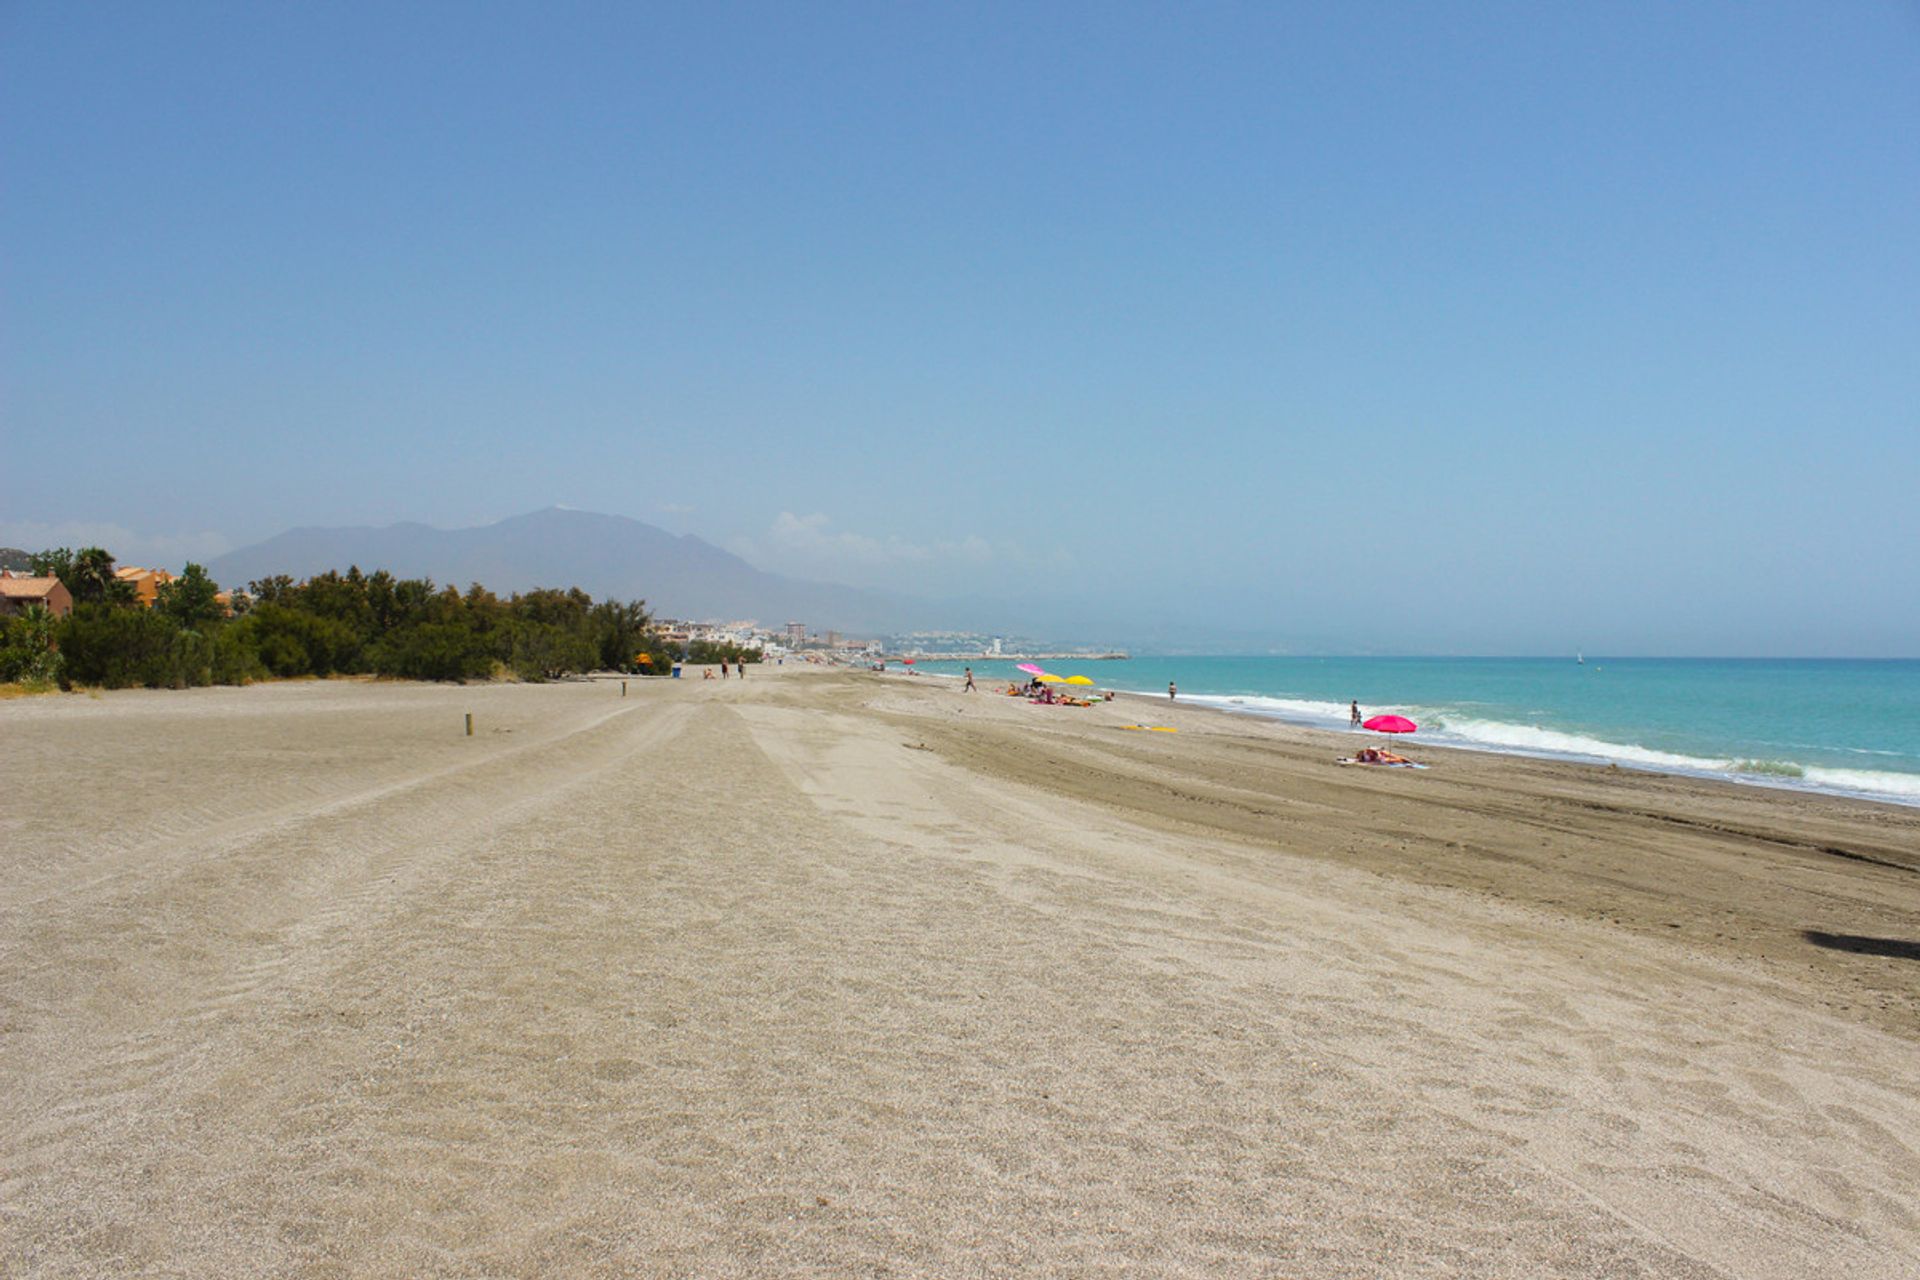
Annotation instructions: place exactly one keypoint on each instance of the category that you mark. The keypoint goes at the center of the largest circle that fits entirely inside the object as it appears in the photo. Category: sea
(1839, 726)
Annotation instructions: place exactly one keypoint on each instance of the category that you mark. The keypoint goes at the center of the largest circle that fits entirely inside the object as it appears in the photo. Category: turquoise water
(1828, 725)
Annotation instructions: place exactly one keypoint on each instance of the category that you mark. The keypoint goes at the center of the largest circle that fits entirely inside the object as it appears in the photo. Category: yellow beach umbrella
(1050, 678)
(1078, 680)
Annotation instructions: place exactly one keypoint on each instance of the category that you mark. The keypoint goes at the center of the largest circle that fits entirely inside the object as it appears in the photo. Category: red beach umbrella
(1390, 724)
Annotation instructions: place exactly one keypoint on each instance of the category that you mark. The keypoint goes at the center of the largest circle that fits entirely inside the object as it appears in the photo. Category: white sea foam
(1872, 782)
(1552, 742)
(1878, 783)
(1296, 709)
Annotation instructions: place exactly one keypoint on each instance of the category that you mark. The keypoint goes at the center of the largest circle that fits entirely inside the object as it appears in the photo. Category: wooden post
(623, 688)
(469, 724)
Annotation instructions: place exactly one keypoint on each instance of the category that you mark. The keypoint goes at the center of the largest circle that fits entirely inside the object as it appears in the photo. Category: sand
(839, 974)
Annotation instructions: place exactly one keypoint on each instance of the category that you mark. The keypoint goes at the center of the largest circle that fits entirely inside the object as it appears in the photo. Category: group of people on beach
(1038, 690)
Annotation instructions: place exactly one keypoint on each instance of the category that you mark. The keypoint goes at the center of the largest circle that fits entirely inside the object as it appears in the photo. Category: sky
(1418, 328)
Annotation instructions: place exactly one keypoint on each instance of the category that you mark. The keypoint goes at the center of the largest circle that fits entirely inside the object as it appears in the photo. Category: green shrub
(434, 651)
(115, 648)
(235, 660)
(542, 650)
(292, 642)
(27, 648)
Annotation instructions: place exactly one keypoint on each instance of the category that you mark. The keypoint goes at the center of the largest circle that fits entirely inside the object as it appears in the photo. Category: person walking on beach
(1172, 691)
(740, 667)
(1353, 715)
(970, 688)
(723, 668)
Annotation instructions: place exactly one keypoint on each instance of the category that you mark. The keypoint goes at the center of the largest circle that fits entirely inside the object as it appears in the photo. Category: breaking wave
(1552, 742)
(1769, 768)
(1438, 727)
(1297, 710)
(1871, 782)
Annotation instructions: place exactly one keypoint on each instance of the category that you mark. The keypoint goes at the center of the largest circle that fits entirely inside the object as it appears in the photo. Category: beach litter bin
(676, 671)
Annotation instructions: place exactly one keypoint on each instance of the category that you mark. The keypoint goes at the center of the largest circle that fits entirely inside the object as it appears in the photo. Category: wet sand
(838, 974)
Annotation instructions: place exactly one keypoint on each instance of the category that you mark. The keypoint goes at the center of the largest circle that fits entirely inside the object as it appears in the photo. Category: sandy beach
(829, 973)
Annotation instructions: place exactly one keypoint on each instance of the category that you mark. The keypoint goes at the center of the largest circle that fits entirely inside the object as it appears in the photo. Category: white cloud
(812, 537)
(160, 550)
(810, 545)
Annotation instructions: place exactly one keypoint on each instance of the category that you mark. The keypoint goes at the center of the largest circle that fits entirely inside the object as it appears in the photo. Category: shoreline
(1707, 770)
(1732, 777)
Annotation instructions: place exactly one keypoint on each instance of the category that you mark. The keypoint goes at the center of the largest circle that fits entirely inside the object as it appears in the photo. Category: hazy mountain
(680, 577)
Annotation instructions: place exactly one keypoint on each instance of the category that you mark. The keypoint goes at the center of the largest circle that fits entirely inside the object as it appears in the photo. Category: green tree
(190, 599)
(704, 651)
(619, 633)
(278, 589)
(342, 597)
(86, 574)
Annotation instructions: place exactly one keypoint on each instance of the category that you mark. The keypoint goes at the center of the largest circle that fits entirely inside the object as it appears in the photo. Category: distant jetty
(1115, 656)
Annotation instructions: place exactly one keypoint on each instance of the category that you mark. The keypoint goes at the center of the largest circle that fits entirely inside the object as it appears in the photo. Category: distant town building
(146, 582)
(19, 593)
(796, 633)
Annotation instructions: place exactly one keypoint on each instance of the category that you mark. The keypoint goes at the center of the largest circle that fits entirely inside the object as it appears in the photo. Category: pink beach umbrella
(1030, 669)
(1390, 724)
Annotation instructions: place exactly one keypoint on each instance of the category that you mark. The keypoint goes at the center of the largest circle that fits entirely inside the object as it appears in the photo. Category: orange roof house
(146, 582)
(18, 594)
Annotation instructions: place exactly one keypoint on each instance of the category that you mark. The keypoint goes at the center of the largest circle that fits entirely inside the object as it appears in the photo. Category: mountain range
(679, 576)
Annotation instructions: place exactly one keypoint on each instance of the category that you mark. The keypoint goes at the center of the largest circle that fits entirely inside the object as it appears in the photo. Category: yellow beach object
(1051, 679)
(1079, 680)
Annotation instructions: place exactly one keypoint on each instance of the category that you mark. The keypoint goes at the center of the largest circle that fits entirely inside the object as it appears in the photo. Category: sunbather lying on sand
(1376, 755)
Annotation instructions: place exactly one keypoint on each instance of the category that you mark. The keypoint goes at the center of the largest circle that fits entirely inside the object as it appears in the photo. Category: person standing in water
(1353, 715)
(1173, 691)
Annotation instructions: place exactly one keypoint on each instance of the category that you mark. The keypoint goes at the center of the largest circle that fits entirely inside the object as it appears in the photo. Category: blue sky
(1448, 328)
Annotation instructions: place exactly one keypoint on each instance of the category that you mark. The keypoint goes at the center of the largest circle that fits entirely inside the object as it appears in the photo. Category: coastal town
(918, 646)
